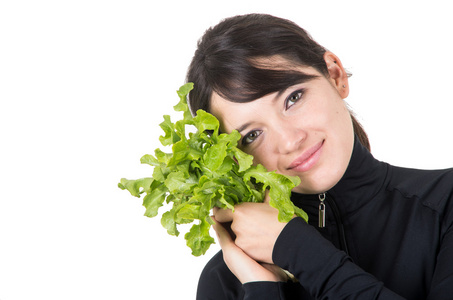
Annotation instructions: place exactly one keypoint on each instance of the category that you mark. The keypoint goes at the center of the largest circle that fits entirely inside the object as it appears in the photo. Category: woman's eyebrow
(244, 126)
(290, 88)
(280, 93)
(285, 90)
(277, 96)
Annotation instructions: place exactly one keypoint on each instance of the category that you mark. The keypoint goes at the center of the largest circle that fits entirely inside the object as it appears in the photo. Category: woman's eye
(293, 98)
(250, 137)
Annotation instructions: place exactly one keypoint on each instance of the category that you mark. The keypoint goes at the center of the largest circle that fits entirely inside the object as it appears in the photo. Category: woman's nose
(288, 137)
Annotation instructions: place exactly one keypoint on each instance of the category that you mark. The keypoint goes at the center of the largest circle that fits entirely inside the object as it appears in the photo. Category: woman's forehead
(232, 114)
(237, 115)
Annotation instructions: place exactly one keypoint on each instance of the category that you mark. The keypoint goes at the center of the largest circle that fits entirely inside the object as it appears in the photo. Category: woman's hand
(256, 228)
(241, 265)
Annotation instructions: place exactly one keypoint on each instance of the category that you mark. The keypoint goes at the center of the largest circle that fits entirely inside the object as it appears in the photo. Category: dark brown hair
(227, 56)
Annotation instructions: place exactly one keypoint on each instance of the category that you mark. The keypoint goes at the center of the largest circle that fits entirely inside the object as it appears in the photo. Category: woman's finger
(223, 215)
(222, 234)
(243, 267)
(267, 198)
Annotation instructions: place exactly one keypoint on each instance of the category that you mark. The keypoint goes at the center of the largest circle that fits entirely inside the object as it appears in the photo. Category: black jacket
(388, 235)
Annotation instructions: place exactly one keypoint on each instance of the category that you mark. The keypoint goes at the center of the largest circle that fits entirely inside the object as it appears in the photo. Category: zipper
(322, 211)
(323, 200)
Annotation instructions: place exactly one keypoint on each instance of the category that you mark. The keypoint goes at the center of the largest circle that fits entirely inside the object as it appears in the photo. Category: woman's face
(304, 131)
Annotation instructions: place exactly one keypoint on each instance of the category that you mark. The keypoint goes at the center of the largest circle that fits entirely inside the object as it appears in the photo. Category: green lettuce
(205, 169)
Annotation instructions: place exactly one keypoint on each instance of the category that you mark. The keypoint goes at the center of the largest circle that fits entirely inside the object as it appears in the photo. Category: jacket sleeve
(323, 270)
(442, 283)
(218, 283)
(263, 290)
(275, 291)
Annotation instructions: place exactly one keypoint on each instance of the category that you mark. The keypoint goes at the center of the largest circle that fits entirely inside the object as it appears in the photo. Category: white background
(84, 85)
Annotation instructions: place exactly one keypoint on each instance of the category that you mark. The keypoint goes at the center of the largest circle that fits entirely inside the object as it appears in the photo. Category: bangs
(244, 82)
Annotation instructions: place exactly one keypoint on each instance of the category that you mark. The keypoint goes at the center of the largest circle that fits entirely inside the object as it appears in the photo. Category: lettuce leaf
(205, 169)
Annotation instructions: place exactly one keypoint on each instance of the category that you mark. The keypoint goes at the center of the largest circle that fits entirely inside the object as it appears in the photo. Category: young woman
(375, 231)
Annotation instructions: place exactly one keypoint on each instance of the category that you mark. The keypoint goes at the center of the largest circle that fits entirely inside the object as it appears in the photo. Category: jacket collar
(363, 179)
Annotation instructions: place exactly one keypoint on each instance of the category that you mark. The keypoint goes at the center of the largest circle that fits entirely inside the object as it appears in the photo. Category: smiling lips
(308, 159)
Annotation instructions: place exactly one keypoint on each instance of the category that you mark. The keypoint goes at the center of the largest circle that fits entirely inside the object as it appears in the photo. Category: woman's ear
(338, 75)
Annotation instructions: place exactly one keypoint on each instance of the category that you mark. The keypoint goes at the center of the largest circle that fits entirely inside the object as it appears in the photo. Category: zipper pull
(322, 211)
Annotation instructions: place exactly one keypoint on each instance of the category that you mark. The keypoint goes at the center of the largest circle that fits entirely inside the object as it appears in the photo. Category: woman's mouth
(308, 159)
